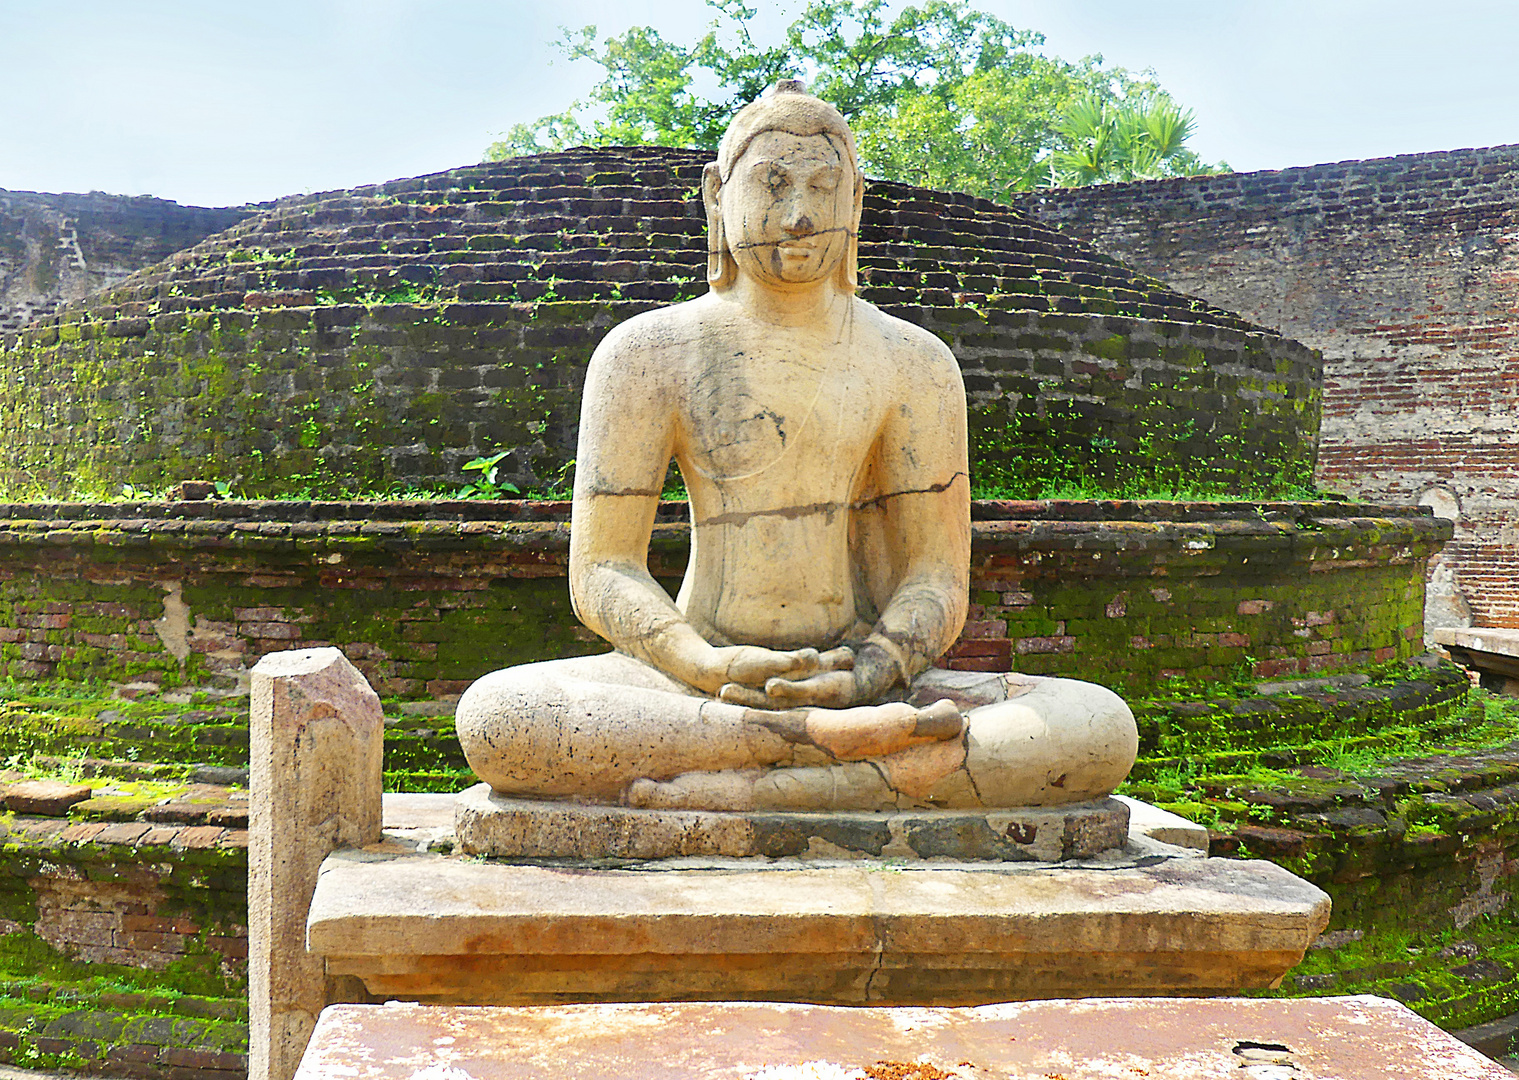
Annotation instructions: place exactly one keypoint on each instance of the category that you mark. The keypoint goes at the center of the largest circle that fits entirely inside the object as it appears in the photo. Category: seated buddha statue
(823, 446)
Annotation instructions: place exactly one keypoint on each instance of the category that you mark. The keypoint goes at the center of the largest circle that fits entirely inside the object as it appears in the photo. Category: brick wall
(139, 895)
(425, 597)
(60, 248)
(128, 919)
(1405, 273)
(352, 341)
(336, 399)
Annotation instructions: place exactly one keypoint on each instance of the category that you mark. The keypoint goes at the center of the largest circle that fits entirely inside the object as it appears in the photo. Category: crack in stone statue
(823, 444)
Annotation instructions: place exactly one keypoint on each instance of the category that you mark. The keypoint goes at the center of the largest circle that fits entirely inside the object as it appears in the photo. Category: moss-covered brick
(288, 357)
(1391, 790)
(424, 596)
(56, 1012)
(1399, 797)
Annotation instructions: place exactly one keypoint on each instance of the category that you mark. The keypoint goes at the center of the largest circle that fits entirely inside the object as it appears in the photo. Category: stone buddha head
(784, 196)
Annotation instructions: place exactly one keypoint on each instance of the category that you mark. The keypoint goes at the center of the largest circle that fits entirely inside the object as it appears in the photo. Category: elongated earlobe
(721, 269)
(849, 268)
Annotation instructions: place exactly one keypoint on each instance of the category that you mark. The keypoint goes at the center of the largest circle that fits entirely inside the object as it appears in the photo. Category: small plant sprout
(487, 486)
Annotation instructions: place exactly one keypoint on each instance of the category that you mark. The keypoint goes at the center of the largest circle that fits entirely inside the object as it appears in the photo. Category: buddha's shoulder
(660, 328)
(899, 337)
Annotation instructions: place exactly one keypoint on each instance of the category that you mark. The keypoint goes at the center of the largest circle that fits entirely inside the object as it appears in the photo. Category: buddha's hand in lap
(873, 731)
(838, 709)
(748, 669)
(842, 678)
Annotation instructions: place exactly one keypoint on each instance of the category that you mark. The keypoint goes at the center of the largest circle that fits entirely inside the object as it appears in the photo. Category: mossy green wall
(1131, 594)
(345, 398)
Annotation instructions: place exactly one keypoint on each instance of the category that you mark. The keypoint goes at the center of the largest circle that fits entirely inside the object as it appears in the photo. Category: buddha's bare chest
(760, 413)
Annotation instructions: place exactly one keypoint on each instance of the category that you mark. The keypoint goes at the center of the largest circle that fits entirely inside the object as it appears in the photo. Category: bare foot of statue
(823, 444)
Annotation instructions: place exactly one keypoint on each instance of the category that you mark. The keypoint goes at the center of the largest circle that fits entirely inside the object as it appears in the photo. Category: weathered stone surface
(451, 930)
(230, 817)
(1328, 684)
(489, 824)
(1163, 826)
(1359, 1038)
(1484, 639)
(1492, 652)
(420, 821)
(418, 810)
(51, 798)
(316, 733)
(117, 808)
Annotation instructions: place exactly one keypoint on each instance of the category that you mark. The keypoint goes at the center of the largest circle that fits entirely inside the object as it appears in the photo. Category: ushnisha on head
(784, 196)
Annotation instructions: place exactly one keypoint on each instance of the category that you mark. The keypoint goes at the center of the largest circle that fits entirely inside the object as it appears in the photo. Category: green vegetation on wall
(348, 401)
(1386, 788)
(61, 1013)
(1396, 795)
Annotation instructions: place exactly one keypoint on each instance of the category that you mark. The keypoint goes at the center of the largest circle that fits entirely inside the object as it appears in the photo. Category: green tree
(1143, 139)
(941, 95)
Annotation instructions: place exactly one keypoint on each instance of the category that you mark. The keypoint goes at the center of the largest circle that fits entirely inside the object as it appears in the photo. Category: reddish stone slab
(230, 817)
(199, 836)
(48, 797)
(180, 812)
(1351, 1038)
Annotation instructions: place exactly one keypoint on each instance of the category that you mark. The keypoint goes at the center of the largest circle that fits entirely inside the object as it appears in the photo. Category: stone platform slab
(1357, 1038)
(449, 930)
(489, 824)
(1492, 651)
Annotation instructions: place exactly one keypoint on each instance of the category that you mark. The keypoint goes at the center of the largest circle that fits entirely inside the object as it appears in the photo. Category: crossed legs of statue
(610, 727)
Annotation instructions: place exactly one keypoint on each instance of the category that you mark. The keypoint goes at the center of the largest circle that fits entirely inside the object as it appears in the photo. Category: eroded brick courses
(424, 597)
(127, 892)
(363, 339)
(1405, 272)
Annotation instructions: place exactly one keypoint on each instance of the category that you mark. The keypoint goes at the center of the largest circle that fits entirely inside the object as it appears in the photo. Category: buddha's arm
(626, 435)
(924, 493)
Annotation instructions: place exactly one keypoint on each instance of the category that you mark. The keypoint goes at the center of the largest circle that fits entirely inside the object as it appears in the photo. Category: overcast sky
(212, 102)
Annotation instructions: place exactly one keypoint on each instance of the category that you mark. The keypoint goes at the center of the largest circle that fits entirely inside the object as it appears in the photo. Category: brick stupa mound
(382, 336)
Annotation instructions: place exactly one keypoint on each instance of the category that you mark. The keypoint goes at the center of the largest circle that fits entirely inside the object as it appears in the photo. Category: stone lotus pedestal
(825, 921)
(930, 907)
(447, 930)
(587, 903)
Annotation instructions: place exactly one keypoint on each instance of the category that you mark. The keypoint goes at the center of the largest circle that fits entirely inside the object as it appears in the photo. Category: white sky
(214, 102)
